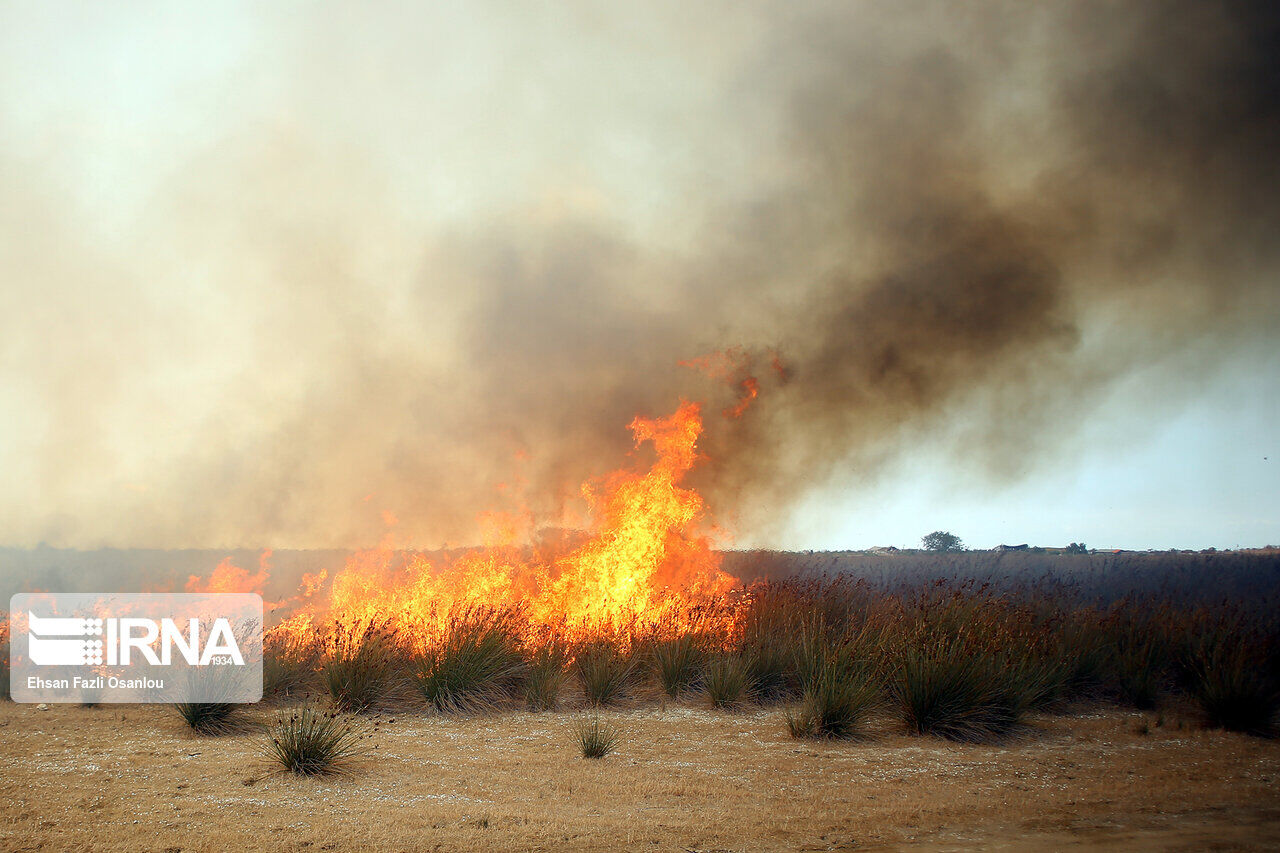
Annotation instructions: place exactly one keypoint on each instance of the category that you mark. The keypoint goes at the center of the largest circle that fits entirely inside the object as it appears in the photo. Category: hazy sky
(268, 272)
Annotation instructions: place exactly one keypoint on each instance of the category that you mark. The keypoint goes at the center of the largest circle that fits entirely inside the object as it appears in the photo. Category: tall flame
(646, 552)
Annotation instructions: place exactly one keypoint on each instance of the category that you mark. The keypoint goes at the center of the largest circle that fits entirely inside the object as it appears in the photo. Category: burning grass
(641, 596)
(955, 660)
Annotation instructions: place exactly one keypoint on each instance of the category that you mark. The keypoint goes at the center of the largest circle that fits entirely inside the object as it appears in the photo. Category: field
(683, 778)
(1121, 705)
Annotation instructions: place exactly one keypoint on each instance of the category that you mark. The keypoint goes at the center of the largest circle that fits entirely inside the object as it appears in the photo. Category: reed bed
(955, 658)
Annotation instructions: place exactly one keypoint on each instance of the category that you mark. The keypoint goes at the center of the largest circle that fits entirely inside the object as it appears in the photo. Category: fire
(645, 554)
(228, 577)
(734, 366)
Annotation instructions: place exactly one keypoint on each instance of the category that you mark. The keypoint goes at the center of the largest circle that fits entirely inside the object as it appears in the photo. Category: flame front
(646, 554)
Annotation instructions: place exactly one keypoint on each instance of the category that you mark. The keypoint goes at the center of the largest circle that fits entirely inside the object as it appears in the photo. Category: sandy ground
(683, 779)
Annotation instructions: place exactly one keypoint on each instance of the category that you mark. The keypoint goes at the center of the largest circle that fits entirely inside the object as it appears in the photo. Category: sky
(1199, 474)
(270, 276)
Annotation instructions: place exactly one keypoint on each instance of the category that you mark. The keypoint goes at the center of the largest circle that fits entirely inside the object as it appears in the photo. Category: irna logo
(69, 641)
(135, 647)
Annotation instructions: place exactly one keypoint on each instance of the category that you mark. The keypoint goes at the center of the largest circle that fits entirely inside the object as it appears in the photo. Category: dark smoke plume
(947, 222)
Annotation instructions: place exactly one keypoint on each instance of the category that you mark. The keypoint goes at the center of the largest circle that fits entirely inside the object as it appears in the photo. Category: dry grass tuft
(312, 742)
(596, 739)
(605, 671)
(210, 718)
(361, 667)
(474, 664)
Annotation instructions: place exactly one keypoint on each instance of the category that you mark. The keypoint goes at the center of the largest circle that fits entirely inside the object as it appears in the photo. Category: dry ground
(683, 778)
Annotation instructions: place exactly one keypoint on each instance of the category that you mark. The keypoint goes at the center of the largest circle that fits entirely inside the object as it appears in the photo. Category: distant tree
(941, 540)
(1076, 548)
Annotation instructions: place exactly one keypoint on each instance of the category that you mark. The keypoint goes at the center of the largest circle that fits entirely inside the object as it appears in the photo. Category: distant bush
(1076, 548)
(311, 742)
(595, 739)
(941, 540)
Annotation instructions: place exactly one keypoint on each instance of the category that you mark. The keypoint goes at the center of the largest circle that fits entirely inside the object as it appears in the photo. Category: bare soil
(683, 778)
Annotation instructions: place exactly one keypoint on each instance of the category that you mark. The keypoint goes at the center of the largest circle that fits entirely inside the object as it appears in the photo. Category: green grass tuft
(839, 692)
(946, 689)
(1231, 690)
(544, 677)
(728, 681)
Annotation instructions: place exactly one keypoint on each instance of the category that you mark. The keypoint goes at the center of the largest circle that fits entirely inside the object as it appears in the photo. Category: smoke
(436, 265)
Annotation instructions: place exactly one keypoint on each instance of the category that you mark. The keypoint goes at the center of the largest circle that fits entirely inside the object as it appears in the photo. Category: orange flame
(727, 366)
(228, 577)
(646, 553)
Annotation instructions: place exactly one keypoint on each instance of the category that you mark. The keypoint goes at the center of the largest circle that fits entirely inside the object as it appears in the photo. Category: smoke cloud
(362, 262)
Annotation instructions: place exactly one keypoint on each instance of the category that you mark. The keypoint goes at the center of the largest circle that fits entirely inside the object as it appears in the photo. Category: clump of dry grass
(771, 620)
(605, 671)
(361, 665)
(289, 663)
(596, 739)
(474, 663)
(678, 663)
(728, 681)
(1222, 675)
(209, 718)
(967, 666)
(545, 674)
(943, 689)
(839, 688)
(310, 741)
(1147, 639)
